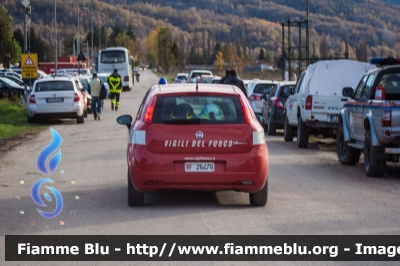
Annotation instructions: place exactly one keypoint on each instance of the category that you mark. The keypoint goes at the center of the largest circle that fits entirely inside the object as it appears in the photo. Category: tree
(9, 47)
(130, 33)
(152, 48)
(164, 43)
(123, 40)
(219, 61)
(116, 30)
(261, 56)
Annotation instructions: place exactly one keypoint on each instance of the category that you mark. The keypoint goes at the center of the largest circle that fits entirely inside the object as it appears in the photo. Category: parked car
(11, 90)
(58, 97)
(316, 101)
(274, 106)
(214, 144)
(181, 77)
(84, 80)
(370, 121)
(16, 80)
(73, 71)
(11, 74)
(206, 79)
(216, 80)
(196, 74)
(257, 93)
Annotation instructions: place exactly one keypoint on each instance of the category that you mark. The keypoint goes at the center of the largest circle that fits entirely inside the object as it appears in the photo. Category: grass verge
(14, 120)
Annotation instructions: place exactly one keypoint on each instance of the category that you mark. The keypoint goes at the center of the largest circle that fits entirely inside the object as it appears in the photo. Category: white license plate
(199, 167)
(54, 100)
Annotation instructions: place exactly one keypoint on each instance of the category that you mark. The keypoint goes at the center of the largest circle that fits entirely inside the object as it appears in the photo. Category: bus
(117, 58)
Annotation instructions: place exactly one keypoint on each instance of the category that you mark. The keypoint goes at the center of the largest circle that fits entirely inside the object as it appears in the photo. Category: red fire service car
(196, 137)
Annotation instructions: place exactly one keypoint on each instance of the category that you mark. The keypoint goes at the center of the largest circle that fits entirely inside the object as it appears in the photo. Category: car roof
(283, 83)
(191, 87)
(59, 78)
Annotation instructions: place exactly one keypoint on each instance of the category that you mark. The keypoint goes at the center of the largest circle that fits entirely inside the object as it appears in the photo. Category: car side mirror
(348, 92)
(125, 120)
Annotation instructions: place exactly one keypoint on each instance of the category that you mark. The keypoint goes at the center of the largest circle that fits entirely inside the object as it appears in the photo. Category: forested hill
(258, 22)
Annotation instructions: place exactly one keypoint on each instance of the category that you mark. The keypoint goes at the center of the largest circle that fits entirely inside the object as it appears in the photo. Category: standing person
(233, 79)
(222, 81)
(95, 86)
(115, 83)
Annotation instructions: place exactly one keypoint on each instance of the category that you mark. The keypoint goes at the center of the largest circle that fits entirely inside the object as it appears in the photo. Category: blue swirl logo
(47, 151)
(53, 162)
(36, 198)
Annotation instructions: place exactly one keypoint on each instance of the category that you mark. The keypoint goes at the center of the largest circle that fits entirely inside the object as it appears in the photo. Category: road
(309, 191)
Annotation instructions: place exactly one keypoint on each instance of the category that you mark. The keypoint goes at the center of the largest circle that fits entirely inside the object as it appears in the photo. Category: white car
(257, 92)
(56, 97)
(72, 71)
(11, 74)
(196, 74)
(181, 77)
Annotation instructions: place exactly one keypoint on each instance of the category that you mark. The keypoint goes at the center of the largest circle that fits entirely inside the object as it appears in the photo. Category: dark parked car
(274, 105)
(9, 89)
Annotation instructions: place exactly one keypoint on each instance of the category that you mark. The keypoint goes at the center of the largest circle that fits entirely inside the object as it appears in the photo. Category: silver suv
(370, 123)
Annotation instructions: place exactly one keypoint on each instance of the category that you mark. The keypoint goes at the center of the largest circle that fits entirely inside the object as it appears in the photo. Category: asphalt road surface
(309, 191)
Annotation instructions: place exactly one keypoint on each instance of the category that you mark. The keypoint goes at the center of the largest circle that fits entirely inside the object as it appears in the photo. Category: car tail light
(76, 97)
(149, 110)
(246, 111)
(309, 102)
(32, 98)
(254, 97)
(278, 104)
(126, 78)
(386, 119)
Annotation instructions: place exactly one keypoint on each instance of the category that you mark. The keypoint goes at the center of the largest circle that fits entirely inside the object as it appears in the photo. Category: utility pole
(91, 22)
(307, 37)
(78, 43)
(55, 37)
(27, 10)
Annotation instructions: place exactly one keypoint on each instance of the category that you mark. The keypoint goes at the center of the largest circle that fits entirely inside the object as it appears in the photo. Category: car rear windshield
(198, 110)
(285, 91)
(54, 86)
(264, 88)
(391, 82)
(199, 74)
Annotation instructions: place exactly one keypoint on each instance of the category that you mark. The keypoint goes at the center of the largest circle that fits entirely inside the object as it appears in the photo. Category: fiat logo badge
(199, 135)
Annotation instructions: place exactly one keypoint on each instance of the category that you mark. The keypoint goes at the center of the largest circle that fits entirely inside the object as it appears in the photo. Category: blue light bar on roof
(385, 61)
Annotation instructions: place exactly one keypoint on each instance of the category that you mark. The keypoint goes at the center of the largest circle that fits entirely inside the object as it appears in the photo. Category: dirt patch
(10, 144)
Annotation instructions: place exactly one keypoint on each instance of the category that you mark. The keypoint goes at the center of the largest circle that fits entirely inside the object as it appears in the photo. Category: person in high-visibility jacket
(115, 83)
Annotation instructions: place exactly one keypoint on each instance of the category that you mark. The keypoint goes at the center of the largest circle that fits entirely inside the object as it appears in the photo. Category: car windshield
(206, 80)
(112, 57)
(198, 110)
(57, 85)
(264, 88)
(10, 82)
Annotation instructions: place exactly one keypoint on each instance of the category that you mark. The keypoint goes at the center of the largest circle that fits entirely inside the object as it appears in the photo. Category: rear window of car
(264, 88)
(199, 74)
(54, 86)
(285, 91)
(391, 81)
(198, 110)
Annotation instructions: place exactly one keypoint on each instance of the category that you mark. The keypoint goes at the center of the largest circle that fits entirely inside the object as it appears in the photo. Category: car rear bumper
(278, 117)
(74, 112)
(244, 172)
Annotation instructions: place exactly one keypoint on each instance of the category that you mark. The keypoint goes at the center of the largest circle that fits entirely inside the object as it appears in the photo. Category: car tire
(372, 166)
(302, 134)
(271, 127)
(288, 131)
(31, 120)
(80, 119)
(135, 198)
(347, 155)
(85, 113)
(259, 198)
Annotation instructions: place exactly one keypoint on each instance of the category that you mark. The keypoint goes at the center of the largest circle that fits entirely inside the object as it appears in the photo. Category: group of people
(115, 84)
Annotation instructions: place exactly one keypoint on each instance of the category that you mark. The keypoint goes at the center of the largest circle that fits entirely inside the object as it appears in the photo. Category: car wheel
(85, 113)
(80, 119)
(31, 120)
(302, 134)
(271, 127)
(135, 198)
(347, 155)
(372, 166)
(288, 131)
(260, 198)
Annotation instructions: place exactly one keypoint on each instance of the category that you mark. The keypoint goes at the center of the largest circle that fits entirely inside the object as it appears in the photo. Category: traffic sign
(29, 66)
